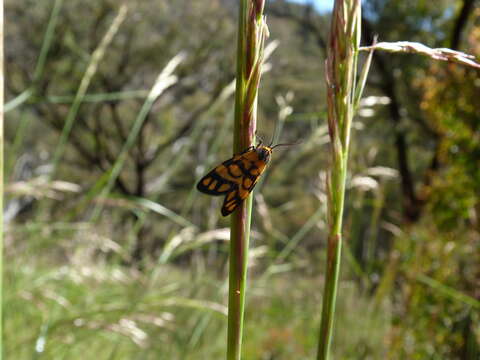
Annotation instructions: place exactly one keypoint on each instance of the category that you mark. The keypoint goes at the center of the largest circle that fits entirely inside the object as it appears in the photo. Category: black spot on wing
(228, 162)
(239, 163)
(229, 205)
(204, 184)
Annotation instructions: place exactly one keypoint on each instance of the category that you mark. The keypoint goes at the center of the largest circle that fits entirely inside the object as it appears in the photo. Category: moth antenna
(289, 144)
(274, 135)
(259, 138)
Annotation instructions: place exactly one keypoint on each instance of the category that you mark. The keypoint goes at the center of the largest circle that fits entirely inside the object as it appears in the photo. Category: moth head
(264, 153)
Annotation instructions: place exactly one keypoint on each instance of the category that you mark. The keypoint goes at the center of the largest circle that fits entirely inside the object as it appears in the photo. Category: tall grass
(95, 60)
(252, 33)
(343, 96)
(2, 87)
(30, 91)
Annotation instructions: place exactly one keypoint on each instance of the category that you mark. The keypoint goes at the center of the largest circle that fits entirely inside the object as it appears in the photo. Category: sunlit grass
(69, 298)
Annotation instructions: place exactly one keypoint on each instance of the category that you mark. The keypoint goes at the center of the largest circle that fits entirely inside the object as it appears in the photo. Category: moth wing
(235, 177)
(231, 202)
(216, 182)
(244, 187)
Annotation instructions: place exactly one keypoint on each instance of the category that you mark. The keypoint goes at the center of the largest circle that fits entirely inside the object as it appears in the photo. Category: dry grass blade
(196, 304)
(442, 54)
(41, 187)
(188, 239)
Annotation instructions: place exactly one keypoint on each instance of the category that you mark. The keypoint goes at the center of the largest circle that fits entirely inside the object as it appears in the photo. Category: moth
(236, 177)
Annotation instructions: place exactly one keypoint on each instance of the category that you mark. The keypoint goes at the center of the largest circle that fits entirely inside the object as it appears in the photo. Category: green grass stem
(42, 58)
(92, 67)
(2, 95)
(240, 221)
(31, 90)
(252, 32)
(342, 97)
(448, 291)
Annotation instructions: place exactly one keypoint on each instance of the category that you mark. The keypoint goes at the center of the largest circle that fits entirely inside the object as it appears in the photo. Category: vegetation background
(110, 253)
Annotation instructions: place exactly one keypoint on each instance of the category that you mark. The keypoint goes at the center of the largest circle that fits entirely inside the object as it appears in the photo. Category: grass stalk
(252, 32)
(2, 80)
(97, 56)
(31, 91)
(42, 59)
(341, 75)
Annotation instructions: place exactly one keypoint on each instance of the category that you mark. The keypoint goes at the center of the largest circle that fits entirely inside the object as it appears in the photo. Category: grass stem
(2, 95)
(252, 32)
(342, 95)
(92, 67)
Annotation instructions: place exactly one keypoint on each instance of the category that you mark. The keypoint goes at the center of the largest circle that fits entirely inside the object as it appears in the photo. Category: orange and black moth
(236, 177)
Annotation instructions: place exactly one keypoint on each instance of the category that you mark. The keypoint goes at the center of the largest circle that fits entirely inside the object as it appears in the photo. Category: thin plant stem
(2, 79)
(42, 58)
(342, 95)
(252, 31)
(97, 97)
(32, 89)
(239, 236)
(97, 56)
(448, 291)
